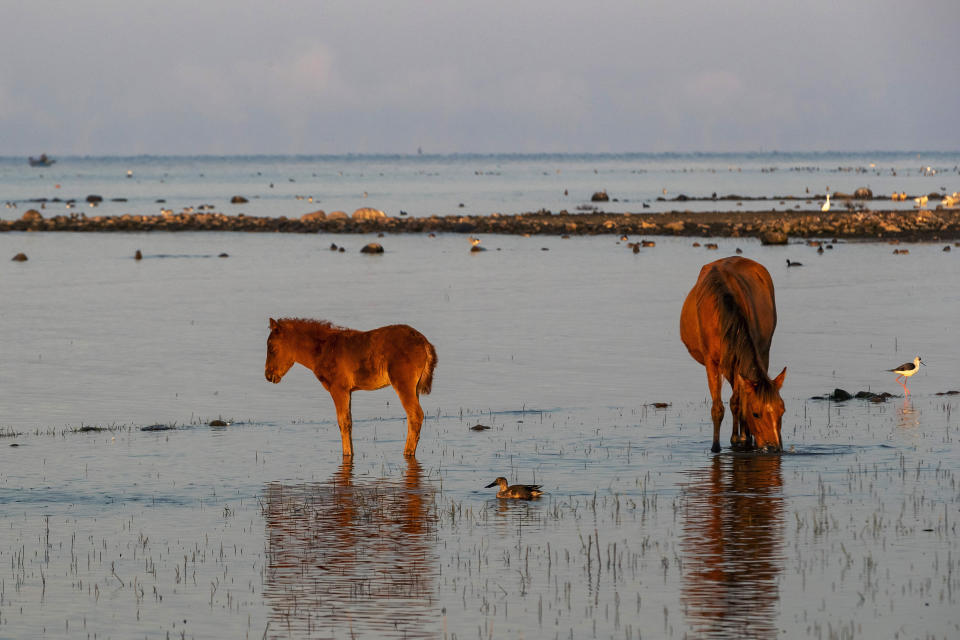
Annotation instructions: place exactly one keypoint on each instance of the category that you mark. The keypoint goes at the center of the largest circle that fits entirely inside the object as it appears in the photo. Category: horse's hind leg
(341, 400)
(407, 391)
(715, 382)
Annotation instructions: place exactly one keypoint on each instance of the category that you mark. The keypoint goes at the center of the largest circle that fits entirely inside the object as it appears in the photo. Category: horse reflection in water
(351, 557)
(733, 547)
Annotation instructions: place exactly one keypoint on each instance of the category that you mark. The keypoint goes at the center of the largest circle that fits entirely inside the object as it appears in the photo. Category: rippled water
(257, 529)
(467, 184)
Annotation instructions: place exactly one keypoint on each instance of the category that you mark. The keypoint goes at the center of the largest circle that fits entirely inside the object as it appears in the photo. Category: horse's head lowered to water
(761, 409)
(280, 357)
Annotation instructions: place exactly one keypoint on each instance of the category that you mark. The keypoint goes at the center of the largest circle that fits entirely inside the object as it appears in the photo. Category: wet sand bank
(771, 226)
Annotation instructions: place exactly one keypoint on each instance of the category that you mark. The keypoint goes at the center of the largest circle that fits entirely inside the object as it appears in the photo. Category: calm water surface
(466, 184)
(259, 529)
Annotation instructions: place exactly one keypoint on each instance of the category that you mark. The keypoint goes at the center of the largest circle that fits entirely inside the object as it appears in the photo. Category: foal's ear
(273, 324)
(778, 381)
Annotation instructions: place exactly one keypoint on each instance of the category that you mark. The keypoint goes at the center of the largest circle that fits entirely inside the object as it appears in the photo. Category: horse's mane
(739, 353)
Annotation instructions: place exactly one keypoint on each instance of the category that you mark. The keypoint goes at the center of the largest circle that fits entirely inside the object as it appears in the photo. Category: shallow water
(468, 184)
(258, 529)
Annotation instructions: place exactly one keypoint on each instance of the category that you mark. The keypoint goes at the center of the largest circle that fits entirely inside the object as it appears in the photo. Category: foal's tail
(425, 382)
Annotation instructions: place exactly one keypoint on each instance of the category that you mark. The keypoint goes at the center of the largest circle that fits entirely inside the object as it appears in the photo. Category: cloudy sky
(231, 76)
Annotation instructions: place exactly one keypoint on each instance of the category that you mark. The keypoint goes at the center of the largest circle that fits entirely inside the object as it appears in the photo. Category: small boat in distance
(43, 161)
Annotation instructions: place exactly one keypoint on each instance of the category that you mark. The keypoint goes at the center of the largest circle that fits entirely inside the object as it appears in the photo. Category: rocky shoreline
(772, 227)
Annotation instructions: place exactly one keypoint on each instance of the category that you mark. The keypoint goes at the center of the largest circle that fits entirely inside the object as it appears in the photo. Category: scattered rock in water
(946, 248)
(841, 395)
(238, 200)
(479, 427)
(947, 393)
(711, 246)
(94, 198)
(158, 427)
(477, 248)
(337, 215)
(224, 255)
(218, 423)
(373, 247)
(32, 215)
(138, 255)
(600, 196)
(659, 405)
(863, 193)
(647, 243)
(773, 237)
(20, 257)
(333, 246)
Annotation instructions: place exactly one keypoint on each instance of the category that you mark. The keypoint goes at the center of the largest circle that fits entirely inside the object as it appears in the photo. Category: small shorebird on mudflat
(906, 370)
(516, 491)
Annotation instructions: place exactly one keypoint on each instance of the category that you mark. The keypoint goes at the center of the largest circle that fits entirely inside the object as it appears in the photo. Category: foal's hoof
(715, 448)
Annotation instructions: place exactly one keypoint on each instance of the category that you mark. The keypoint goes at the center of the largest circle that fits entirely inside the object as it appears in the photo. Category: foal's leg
(341, 400)
(407, 391)
(714, 382)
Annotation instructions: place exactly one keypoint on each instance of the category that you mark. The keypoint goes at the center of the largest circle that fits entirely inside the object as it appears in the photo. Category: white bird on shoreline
(826, 205)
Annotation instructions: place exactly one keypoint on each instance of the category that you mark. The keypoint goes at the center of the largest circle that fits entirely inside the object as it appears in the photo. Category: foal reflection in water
(733, 539)
(350, 556)
(345, 360)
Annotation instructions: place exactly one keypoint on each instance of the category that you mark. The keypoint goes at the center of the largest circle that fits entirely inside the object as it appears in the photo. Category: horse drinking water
(345, 360)
(727, 324)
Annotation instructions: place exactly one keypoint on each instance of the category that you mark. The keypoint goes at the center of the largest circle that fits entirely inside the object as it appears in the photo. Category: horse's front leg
(715, 382)
(341, 400)
(738, 435)
(411, 404)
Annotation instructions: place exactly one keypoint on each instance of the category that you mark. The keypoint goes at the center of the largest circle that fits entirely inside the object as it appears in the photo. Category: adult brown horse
(345, 360)
(727, 324)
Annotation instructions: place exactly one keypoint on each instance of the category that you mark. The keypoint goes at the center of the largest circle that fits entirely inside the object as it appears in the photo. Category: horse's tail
(425, 382)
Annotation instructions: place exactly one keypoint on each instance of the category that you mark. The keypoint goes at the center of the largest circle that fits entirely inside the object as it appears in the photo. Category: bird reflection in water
(346, 556)
(733, 547)
(907, 417)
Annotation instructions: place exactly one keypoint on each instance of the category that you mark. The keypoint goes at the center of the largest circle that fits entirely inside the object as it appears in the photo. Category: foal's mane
(310, 326)
(740, 349)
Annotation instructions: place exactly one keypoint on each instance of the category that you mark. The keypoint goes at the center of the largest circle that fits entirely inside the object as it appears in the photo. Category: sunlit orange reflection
(348, 555)
(733, 547)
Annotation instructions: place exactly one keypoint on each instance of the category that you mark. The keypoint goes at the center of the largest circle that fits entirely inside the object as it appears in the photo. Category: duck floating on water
(516, 491)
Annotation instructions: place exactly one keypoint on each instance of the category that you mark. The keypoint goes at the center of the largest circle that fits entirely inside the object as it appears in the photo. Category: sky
(490, 76)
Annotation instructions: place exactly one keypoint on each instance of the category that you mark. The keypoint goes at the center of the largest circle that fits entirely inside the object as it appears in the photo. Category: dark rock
(863, 193)
(20, 257)
(864, 395)
(32, 215)
(158, 427)
(94, 198)
(224, 255)
(138, 255)
(238, 200)
(839, 395)
(479, 427)
(600, 196)
(373, 247)
(219, 423)
(333, 246)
